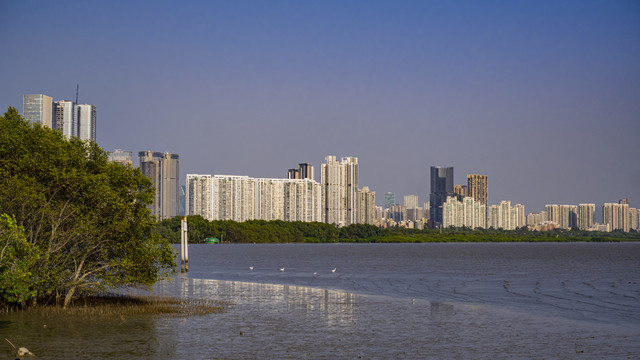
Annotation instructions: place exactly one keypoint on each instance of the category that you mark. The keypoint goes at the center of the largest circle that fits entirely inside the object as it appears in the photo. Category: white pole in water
(182, 245)
(186, 245)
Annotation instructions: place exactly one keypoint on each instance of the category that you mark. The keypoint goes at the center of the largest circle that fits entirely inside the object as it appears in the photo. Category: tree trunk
(67, 298)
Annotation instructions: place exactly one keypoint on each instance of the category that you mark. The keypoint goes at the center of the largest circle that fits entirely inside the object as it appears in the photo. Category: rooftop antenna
(77, 90)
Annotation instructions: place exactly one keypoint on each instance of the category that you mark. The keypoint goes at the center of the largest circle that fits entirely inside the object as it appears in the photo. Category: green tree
(88, 217)
(17, 262)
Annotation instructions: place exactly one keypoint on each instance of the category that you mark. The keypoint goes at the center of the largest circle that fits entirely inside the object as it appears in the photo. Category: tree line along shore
(260, 231)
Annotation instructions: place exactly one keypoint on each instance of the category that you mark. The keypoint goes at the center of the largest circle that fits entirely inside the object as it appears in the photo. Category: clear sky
(541, 96)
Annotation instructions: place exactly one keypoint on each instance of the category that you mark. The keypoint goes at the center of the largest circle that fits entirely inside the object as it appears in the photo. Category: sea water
(378, 301)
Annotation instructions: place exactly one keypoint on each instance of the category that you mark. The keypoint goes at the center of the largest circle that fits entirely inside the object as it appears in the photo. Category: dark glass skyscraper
(441, 187)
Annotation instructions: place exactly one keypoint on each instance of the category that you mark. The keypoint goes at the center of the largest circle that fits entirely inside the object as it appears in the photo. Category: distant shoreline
(277, 231)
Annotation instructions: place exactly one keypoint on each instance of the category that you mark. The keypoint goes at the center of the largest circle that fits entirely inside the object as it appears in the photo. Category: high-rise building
(586, 216)
(441, 188)
(86, 117)
(552, 213)
(568, 218)
(366, 206)
(66, 118)
(478, 188)
(198, 196)
(163, 170)
(397, 213)
(38, 108)
(616, 216)
(467, 213)
(182, 200)
(339, 182)
(521, 220)
(503, 216)
(293, 174)
(304, 171)
(460, 191)
(389, 200)
(534, 219)
(234, 198)
(411, 201)
(121, 157)
(634, 219)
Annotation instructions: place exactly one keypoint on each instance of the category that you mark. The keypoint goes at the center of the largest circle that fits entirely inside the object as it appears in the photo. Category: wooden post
(186, 245)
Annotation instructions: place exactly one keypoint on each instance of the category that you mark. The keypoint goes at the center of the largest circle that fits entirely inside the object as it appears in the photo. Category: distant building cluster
(466, 213)
(504, 216)
(338, 200)
(335, 200)
(615, 217)
(242, 198)
(71, 119)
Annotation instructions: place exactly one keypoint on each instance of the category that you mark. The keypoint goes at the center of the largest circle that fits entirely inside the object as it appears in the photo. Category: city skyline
(540, 97)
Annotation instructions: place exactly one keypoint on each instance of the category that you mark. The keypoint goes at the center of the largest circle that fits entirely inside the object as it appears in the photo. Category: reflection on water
(284, 321)
(328, 306)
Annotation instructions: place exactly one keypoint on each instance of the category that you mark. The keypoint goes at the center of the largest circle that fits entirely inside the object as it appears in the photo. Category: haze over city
(543, 97)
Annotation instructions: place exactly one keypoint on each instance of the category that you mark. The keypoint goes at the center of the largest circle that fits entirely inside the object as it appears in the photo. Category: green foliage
(258, 231)
(87, 218)
(18, 259)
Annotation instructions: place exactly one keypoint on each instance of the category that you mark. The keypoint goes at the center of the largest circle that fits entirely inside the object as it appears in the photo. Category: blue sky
(541, 96)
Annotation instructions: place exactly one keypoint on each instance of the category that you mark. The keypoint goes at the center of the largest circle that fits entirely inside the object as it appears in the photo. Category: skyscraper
(552, 213)
(478, 188)
(568, 217)
(616, 216)
(411, 201)
(86, 117)
(339, 182)
(234, 198)
(121, 157)
(38, 108)
(198, 196)
(163, 170)
(468, 213)
(460, 191)
(366, 206)
(441, 188)
(293, 174)
(586, 217)
(389, 200)
(66, 118)
(304, 171)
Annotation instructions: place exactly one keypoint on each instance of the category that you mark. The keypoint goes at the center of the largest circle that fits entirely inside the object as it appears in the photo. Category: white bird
(251, 268)
(334, 270)
(23, 351)
(315, 273)
(281, 269)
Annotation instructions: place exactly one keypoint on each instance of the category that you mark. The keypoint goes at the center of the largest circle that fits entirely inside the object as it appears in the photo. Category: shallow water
(384, 301)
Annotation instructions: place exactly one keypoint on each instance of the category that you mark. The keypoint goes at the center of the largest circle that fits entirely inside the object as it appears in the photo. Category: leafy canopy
(78, 223)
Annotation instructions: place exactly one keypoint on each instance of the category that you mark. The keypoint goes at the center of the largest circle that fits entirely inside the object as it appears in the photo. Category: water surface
(384, 301)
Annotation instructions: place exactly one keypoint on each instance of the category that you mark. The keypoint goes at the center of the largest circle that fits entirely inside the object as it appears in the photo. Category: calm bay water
(402, 301)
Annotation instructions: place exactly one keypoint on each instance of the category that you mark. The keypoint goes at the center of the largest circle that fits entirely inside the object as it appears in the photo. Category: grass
(113, 305)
